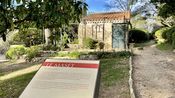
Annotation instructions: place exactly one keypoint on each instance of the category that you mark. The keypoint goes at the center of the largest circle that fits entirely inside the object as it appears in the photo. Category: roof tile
(108, 16)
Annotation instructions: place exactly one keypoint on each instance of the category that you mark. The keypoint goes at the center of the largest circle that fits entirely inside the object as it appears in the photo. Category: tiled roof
(108, 16)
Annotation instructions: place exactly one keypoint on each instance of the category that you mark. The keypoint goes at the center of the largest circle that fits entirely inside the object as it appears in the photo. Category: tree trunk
(47, 35)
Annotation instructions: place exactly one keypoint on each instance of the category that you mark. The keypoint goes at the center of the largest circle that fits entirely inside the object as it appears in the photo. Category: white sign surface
(63, 79)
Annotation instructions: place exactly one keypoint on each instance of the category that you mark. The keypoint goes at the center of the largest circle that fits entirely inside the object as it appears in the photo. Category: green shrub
(169, 34)
(137, 36)
(160, 35)
(28, 36)
(89, 43)
(74, 54)
(173, 39)
(104, 55)
(51, 47)
(15, 52)
(32, 52)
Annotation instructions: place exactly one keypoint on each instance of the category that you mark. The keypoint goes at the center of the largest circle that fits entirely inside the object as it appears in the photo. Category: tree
(135, 6)
(42, 13)
(166, 10)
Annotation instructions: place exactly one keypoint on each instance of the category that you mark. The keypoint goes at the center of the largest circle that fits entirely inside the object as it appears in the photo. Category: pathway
(154, 73)
(20, 72)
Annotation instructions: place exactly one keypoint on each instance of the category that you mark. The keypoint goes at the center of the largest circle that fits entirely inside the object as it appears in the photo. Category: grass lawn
(13, 87)
(165, 47)
(114, 80)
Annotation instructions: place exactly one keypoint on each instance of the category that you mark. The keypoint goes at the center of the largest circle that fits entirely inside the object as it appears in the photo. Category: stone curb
(132, 94)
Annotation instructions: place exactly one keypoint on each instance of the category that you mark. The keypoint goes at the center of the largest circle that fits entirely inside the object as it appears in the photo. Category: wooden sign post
(64, 79)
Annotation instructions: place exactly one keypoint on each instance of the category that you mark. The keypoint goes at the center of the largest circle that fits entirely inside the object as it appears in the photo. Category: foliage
(32, 52)
(55, 14)
(16, 52)
(152, 36)
(89, 43)
(159, 34)
(166, 10)
(74, 54)
(165, 46)
(64, 41)
(168, 34)
(105, 55)
(51, 47)
(173, 40)
(29, 37)
(137, 36)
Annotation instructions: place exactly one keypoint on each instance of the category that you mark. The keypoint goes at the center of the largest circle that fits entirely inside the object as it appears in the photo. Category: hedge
(137, 36)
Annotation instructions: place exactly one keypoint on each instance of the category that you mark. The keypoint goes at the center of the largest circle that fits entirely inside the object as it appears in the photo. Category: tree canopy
(166, 10)
(38, 13)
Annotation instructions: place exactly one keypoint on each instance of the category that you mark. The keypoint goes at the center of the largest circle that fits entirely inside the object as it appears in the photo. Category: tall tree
(135, 6)
(42, 13)
(166, 10)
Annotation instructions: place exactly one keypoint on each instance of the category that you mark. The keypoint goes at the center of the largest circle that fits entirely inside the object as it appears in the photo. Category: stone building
(110, 28)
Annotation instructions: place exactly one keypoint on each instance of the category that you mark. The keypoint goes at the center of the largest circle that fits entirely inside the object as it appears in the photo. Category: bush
(168, 34)
(51, 47)
(29, 37)
(173, 40)
(137, 36)
(32, 52)
(160, 35)
(89, 43)
(16, 52)
(74, 54)
(104, 55)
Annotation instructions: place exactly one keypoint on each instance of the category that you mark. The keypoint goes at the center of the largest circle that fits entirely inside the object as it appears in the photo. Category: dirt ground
(154, 73)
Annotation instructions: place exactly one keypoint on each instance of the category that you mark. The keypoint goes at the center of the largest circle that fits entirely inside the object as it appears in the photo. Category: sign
(64, 79)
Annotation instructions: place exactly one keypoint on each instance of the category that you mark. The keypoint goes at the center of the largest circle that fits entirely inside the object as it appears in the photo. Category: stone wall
(95, 31)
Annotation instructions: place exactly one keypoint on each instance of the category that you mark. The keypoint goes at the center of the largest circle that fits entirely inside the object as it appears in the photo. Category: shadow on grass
(13, 87)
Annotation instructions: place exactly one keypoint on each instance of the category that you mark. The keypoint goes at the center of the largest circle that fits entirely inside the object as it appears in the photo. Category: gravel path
(154, 73)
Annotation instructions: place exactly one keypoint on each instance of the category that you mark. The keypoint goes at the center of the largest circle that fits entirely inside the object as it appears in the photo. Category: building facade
(109, 28)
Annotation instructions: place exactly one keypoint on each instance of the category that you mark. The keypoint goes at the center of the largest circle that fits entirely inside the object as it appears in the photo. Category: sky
(96, 5)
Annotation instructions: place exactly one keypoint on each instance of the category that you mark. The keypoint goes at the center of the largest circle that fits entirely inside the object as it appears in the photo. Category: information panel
(64, 79)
